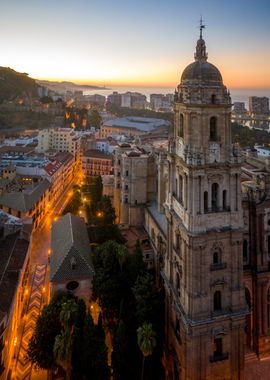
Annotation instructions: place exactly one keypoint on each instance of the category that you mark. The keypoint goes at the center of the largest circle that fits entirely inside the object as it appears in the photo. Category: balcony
(218, 358)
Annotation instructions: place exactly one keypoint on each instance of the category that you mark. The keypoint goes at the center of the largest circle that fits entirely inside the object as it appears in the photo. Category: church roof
(70, 244)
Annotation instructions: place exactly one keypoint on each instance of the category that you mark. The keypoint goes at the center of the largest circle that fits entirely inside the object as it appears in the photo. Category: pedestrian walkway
(23, 366)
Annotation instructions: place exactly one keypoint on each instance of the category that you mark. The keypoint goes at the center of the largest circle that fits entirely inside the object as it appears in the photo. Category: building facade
(59, 139)
(207, 215)
(258, 105)
(95, 163)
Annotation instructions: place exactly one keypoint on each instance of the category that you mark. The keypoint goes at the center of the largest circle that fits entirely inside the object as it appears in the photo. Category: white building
(60, 139)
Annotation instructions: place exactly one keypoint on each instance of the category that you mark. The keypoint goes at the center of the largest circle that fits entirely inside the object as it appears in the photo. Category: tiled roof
(70, 240)
(24, 201)
(59, 159)
(12, 255)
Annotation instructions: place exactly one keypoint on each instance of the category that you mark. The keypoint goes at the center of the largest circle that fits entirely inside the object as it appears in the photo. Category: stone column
(190, 194)
(185, 191)
(264, 298)
(259, 319)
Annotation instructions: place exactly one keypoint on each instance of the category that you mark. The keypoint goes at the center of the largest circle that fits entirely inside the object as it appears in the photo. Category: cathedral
(206, 211)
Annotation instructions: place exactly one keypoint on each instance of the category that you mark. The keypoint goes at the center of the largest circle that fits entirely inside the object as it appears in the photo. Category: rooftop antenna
(202, 26)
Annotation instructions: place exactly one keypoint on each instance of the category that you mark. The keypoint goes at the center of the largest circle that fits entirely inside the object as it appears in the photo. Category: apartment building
(60, 139)
(258, 104)
(95, 163)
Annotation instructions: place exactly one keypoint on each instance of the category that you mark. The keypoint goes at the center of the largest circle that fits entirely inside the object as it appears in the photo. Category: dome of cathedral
(201, 72)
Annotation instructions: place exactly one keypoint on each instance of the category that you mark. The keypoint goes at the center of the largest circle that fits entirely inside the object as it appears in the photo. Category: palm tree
(121, 254)
(146, 338)
(68, 313)
(62, 351)
(63, 344)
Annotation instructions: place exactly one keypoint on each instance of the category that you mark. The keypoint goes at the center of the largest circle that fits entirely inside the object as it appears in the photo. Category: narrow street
(38, 290)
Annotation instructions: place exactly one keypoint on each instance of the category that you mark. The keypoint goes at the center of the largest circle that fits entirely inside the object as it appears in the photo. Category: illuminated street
(37, 291)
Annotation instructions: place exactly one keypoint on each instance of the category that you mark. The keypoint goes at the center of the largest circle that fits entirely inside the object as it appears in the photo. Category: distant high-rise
(258, 104)
(239, 107)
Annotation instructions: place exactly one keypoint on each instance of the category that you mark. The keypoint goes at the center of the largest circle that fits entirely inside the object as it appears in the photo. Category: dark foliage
(40, 348)
(14, 84)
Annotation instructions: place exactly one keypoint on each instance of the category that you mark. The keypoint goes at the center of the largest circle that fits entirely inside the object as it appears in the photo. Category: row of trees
(249, 137)
(75, 202)
(66, 337)
(132, 309)
(81, 118)
(100, 212)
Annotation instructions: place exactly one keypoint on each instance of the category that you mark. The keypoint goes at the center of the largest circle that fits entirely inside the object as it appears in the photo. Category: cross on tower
(202, 26)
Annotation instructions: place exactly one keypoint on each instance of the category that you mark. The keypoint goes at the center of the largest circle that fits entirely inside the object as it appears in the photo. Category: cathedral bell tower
(203, 273)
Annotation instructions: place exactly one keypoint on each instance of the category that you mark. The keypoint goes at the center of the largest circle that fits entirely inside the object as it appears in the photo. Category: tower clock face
(214, 152)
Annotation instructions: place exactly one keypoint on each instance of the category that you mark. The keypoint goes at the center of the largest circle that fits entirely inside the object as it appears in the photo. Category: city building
(239, 107)
(60, 172)
(128, 99)
(135, 180)
(29, 202)
(59, 139)
(71, 265)
(115, 98)
(161, 102)
(14, 270)
(132, 126)
(258, 105)
(95, 163)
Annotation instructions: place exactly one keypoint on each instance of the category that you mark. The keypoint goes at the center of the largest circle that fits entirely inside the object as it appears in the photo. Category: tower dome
(201, 72)
(201, 81)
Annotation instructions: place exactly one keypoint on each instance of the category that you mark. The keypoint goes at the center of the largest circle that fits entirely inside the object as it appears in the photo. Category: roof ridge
(71, 227)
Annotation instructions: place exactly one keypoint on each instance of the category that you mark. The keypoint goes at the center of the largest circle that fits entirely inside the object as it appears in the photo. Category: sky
(141, 42)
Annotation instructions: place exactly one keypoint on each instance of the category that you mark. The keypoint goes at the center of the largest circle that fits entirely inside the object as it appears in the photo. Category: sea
(237, 95)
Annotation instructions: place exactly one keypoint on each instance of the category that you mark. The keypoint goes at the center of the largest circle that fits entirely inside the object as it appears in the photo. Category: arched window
(205, 201)
(213, 128)
(213, 99)
(218, 351)
(247, 297)
(214, 196)
(216, 257)
(245, 251)
(224, 199)
(178, 283)
(181, 126)
(176, 187)
(217, 300)
(180, 189)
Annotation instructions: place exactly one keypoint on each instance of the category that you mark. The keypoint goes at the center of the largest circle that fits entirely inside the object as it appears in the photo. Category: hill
(67, 86)
(13, 84)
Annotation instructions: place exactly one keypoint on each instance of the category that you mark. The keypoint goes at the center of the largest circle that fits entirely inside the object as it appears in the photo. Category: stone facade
(203, 271)
(208, 221)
